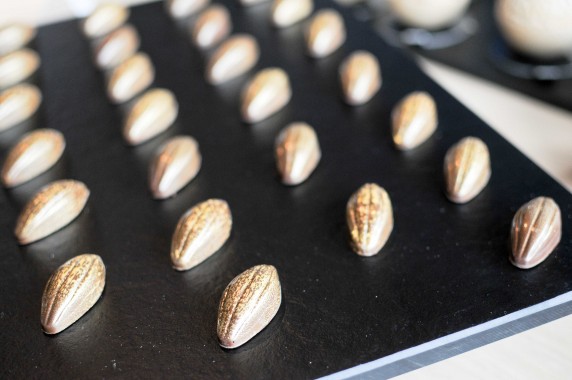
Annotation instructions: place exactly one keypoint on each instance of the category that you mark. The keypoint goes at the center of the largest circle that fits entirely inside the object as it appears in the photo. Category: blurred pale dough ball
(428, 14)
(539, 28)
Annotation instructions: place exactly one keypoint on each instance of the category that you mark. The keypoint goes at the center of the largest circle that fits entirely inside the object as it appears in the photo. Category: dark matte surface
(462, 345)
(477, 56)
(445, 267)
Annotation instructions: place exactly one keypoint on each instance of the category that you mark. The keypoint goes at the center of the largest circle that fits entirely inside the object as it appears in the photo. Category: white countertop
(541, 131)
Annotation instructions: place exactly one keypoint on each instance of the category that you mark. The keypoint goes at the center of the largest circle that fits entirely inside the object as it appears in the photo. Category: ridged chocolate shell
(55, 206)
(17, 104)
(33, 155)
(360, 77)
(369, 216)
(200, 233)
(175, 164)
(467, 169)
(152, 114)
(414, 120)
(105, 19)
(116, 47)
(289, 12)
(297, 153)
(130, 78)
(536, 231)
(326, 33)
(265, 94)
(18, 66)
(15, 36)
(248, 304)
(71, 291)
(213, 25)
(232, 58)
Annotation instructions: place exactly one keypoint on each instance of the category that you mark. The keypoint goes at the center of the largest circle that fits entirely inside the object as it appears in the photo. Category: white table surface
(541, 131)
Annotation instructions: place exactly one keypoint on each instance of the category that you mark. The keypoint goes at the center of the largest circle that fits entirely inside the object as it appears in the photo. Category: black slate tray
(485, 53)
(444, 269)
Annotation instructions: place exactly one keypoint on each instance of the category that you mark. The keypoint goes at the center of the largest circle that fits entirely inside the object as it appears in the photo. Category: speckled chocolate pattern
(71, 291)
(200, 233)
(247, 305)
(369, 216)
